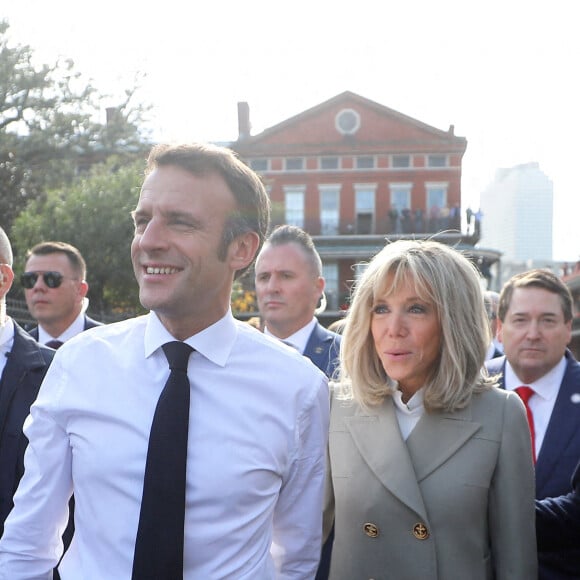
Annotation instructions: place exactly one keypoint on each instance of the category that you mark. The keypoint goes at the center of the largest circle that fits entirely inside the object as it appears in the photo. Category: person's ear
(83, 289)
(6, 279)
(243, 250)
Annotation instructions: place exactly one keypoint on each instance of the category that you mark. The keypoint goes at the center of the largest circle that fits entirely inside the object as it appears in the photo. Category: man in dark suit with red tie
(23, 364)
(55, 289)
(535, 327)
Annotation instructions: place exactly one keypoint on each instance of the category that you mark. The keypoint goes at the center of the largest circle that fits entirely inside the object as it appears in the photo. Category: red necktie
(525, 393)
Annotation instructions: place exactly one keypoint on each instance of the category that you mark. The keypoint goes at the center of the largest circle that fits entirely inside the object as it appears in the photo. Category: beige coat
(455, 502)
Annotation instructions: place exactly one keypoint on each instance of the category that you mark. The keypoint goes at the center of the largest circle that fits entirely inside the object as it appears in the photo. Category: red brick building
(353, 173)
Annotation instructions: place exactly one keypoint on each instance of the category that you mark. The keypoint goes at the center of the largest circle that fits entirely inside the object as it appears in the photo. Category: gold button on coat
(371, 530)
(420, 531)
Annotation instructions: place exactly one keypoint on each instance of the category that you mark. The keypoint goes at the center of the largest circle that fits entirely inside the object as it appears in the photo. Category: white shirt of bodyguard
(256, 456)
(299, 339)
(77, 326)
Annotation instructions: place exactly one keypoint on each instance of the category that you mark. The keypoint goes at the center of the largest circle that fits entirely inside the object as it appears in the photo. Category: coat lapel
(379, 441)
(437, 436)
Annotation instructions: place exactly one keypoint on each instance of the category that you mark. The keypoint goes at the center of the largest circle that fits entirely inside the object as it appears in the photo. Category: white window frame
(444, 156)
(365, 188)
(328, 216)
(294, 205)
(430, 188)
(330, 273)
(400, 191)
(301, 168)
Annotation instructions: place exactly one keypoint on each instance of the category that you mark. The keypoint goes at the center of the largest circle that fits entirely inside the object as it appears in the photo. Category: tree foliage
(52, 123)
(93, 214)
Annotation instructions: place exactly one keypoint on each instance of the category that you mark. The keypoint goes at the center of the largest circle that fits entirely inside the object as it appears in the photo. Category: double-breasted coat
(454, 501)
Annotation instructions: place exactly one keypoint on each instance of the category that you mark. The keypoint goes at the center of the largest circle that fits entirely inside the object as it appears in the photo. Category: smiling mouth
(161, 270)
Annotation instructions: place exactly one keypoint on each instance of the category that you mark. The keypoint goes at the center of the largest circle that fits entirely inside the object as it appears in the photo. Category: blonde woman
(431, 472)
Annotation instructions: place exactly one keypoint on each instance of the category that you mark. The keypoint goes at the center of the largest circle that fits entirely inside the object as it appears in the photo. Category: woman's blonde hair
(444, 277)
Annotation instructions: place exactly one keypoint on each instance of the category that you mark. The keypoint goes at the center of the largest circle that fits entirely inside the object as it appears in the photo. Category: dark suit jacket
(323, 348)
(25, 368)
(89, 323)
(557, 459)
(558, 519)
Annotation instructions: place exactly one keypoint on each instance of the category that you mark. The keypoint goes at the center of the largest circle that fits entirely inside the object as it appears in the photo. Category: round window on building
(347, 122)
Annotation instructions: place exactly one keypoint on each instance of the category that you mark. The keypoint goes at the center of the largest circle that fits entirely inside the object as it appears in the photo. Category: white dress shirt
(255, 472)
(409, 413)
(77, 326)
(299, 339)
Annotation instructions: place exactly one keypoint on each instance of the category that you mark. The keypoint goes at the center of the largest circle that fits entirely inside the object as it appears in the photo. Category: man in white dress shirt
(257, 437)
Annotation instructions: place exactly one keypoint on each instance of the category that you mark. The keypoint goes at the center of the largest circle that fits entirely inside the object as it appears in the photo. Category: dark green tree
(93, 214)
(53, 126)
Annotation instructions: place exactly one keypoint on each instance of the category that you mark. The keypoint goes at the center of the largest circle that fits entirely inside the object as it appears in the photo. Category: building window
(400, 210)
(294, 206)
(437, 161)
(365, 162)
(329, 209)
(347, 122)
(329, 163)
(331, 288)
(365, 208)
(437, 209)
(401, 195)
(401, 161)
(294, 163)
(259, 164)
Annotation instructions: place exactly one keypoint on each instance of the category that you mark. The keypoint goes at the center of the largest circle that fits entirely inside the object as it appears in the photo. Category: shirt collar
(544, 386)
(75, 328)
(413, 406)
(214, 342)
(299, 339)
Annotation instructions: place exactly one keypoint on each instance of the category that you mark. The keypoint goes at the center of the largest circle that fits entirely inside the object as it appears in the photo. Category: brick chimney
(243, 120)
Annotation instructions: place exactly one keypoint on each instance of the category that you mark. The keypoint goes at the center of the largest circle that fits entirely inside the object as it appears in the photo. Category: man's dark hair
(74, 256)
(287, 234)
(537, 278)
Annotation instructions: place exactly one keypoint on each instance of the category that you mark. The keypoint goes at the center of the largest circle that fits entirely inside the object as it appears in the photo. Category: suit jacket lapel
(17, 367)
(317, 347)
(437, 436)
(373, 434)
(562, 426)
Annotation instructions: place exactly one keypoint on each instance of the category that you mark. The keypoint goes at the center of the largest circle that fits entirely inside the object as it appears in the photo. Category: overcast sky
(503, 72)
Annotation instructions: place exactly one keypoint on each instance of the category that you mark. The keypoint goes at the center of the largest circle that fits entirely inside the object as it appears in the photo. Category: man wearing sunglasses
(55, 289)
(23, 364)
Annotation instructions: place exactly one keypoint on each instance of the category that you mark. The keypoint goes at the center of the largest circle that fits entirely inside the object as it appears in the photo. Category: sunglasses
(51, 279)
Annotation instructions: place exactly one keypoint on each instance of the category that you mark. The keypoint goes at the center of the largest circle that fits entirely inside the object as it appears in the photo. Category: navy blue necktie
(56, 344)
(159, 544)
